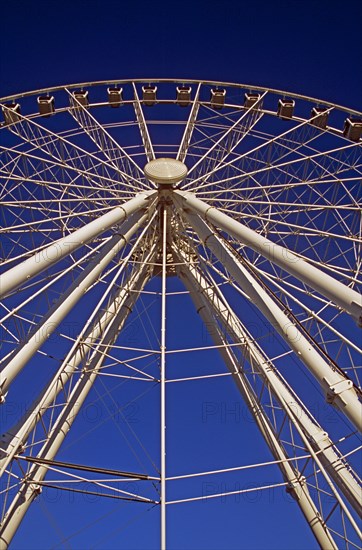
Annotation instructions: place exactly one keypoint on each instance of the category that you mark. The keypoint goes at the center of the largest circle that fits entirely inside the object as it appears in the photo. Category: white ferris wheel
(169, 247)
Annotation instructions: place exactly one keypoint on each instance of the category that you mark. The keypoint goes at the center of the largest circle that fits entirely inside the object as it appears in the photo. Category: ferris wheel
(182, 255)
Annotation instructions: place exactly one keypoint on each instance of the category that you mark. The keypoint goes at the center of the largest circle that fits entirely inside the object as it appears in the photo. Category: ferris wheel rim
(193, 244)
(138, 80)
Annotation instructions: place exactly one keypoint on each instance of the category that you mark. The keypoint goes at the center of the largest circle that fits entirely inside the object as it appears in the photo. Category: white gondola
(217, 98)
(250, 100)
(149, 95)
(353, 128)
(11, 112)
(115, 97)
(46, 105)
(320, 117)
(286, 108)
(81, 97)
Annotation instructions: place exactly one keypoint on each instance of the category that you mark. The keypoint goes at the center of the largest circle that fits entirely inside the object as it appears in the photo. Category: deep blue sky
(311, 47)
(308, 47)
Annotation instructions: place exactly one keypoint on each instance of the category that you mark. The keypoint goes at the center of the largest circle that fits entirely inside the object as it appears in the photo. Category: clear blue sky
(304, 46)
(308, 47)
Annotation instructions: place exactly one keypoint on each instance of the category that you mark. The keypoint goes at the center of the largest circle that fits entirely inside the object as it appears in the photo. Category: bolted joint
(21, 448)
(357, 311)
(2, 393)
(337, 389)
(320, 439)
(35, 488)
(294, 487)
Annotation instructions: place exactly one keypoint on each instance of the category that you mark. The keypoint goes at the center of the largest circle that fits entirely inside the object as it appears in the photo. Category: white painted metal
(45, 258)
(16, 436)
(115, 154)
(103, 174)
(190, 125)
(165, 171)
(343, 296)
(66, 302)
(231, 137)
(337, 468)
(163, 381)
(295, 481)
(339, 389)
(143, 126)
(56, 146)
(113, 321)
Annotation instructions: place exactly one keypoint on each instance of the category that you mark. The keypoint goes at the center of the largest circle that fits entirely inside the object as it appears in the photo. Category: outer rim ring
(178, 81)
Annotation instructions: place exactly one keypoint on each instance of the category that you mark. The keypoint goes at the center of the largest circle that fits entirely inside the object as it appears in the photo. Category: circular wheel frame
(217, 295)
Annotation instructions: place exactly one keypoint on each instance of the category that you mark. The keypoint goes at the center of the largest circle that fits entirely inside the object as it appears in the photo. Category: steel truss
(269, 216)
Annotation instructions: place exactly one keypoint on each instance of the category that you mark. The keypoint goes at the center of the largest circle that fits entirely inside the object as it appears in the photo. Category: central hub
(165, 172)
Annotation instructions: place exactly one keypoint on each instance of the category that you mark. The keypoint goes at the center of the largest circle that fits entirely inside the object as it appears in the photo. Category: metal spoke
(148, 147)
(113, 152)
(226, 217)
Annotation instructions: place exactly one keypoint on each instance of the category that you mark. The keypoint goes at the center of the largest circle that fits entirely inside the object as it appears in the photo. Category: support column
(337, 468)
(29, 490)
(17, 435)
(340, 294)
(296, 482)
(339, 389)
(163, 381)
(66, 302)
(15, 277)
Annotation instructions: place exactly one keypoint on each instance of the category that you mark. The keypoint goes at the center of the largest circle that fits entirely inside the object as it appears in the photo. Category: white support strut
(121, 308)
(296, 482)
(16, 436)
(186, 138)
(341, 295)
(163, 381)
(15, 277)
(66, 302)
(143, 126)
(338, 388)
(337, 468)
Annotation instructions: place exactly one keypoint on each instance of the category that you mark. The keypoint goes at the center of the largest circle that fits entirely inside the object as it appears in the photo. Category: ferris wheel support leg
(336, 467)
(341, 295)
(296, 482)
(66, 302)
(163, 382)
(16, 436)
(15, 277)
(339, 389)
(31, 485)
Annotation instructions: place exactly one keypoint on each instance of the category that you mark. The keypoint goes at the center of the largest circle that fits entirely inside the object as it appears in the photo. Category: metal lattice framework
(124, 201)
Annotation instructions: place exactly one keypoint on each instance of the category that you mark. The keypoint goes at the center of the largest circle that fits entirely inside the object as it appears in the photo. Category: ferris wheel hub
(165, 171)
